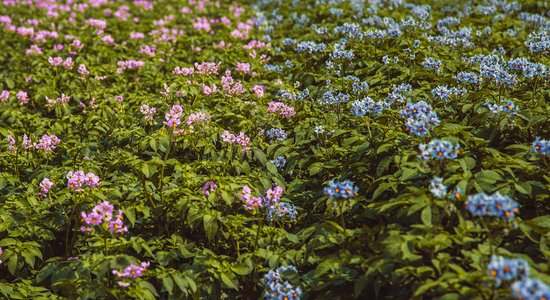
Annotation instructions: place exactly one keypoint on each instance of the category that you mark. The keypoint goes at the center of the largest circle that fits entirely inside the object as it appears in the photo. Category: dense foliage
(284, 149)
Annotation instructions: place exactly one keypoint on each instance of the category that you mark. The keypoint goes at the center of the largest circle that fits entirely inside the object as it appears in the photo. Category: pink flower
(11, 142)
(148, 113)
(68, 63)
(55, 61)
(45, 187)
(132, 271)
(119, 99)
(27, 143)
(108, 40)
(77, 44)
(284, 110)
(243, 68)
(173, 116)
(207, 90)
(116, 225)
(102, 215)
(259, 90)
(92, 180)
(4, 96)
(82, 70)
(23, 97)
(48, 142)
(209, 187)
(91, 218)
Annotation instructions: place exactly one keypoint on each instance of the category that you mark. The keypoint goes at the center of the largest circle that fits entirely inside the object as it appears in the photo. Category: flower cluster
(505, 269)
(367, 105)
(45, 186)
(47, 142)
(102, 216)
(271, 196)
(129, 65)
(444, 92)
(207, 68)
(183, 71)
(50, 103)
(277, 134)
(230, 86)
(283, 109)
(11, 143)
(468, 77)
(439, 149)
(173, 117)
(530, 289)
(197, 117)
(22, 96)
(541, 146)
(432, 64)
(281, 210)
(277, 287)
(57, 61)
(76, 180)
(516, 270)
(329, 98)
(495, 205)
(240, 139)
(209, 187)
(131, 271)
(507, 106)
(344, 189)
(420, 118)
(148, 112)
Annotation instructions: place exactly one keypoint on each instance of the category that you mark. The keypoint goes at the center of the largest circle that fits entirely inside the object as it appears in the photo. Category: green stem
(161, 183)
(342, 219)
(260, 225)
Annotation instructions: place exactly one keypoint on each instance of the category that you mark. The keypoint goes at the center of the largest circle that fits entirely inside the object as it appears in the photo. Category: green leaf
(168, 284)
(241, 269)
(426, 215)
(260, 155)
(229, 281)
(315, 168)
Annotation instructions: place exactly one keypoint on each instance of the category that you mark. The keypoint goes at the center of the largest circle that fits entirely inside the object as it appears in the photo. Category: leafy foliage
(189, 117)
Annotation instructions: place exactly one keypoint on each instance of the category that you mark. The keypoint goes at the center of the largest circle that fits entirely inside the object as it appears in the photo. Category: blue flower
(437, 188)
(495, 205)
(439, 149)
(541, 146)
(344, 189)
(277, 133)
(279, 162)
(530, 289)
(281, 210)
(276, 287)
(505, 269)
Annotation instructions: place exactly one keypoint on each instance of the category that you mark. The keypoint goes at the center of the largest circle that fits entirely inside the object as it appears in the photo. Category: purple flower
(4, 96)
(45, 187)
(47, 142)
(102, 215)
(92, 180)
(209, 187)
(23, 97)
(91, 218)
(132, 271)
(55, 61)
